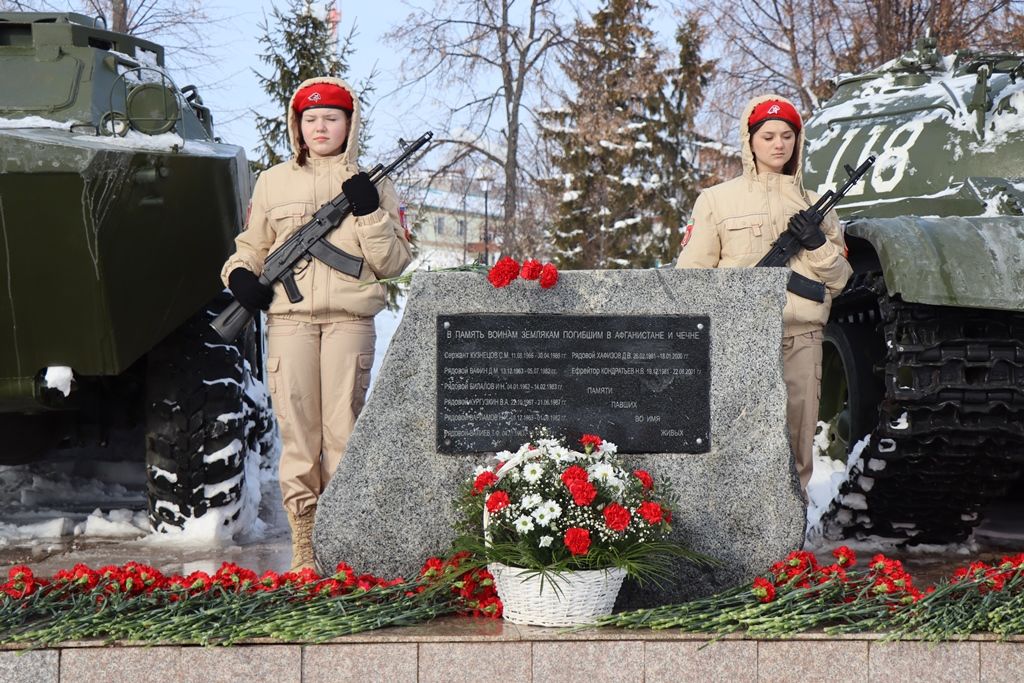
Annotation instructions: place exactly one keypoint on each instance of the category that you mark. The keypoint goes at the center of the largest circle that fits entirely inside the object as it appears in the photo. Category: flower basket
(560, 599)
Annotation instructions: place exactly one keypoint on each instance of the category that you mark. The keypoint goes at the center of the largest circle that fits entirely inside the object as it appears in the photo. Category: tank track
(950, 431)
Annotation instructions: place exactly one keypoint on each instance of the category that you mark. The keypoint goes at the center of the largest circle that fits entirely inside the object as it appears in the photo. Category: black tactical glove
(249, 291)
(361, 194)
(806, 227)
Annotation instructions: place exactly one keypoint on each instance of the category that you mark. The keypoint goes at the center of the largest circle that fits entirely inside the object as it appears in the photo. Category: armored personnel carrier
(924, 352)
(117, 208)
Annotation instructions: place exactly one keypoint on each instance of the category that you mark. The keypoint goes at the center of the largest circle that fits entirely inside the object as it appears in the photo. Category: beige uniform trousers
(317, 375)
(801, 368)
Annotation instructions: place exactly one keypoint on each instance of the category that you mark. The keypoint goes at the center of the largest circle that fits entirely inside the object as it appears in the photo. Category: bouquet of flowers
(551, 511)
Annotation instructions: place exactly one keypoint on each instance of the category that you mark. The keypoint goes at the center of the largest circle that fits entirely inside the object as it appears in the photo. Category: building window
(438, 225)
(462, 227)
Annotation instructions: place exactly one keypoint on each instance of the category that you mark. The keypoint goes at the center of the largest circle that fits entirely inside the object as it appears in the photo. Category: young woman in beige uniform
(320, 349)
(735, 223)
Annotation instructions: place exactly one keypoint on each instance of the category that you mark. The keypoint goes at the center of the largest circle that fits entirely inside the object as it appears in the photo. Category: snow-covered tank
(924, 351)
(117, 208)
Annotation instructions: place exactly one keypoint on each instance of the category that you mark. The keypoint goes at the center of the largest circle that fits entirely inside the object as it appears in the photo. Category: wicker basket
(560, 599)
(568, 599)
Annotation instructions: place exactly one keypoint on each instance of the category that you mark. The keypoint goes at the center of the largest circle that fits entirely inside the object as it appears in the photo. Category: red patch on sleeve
(687, 233)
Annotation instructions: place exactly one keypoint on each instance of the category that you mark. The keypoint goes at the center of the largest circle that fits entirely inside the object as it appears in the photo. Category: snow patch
(59, 377)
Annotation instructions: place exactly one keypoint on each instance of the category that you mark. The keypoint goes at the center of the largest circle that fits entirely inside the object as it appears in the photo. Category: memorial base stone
(390, 504)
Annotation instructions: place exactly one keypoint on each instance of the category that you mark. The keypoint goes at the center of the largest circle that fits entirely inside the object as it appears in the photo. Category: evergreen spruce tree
(297, 45)
(603, 141)
(678, 144)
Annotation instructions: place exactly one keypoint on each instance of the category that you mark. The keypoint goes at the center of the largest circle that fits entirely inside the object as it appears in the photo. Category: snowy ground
(58, 513)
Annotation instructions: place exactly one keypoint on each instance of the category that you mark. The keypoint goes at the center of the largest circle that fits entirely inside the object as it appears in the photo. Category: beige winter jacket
(736, 222)
(285, 197)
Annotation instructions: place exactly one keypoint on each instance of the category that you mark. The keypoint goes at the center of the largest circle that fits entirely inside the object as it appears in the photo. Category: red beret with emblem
(326, 95)
(775, 110)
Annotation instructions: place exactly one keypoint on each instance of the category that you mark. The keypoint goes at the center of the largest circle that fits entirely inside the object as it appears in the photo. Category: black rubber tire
(858, 348)
(196, 405)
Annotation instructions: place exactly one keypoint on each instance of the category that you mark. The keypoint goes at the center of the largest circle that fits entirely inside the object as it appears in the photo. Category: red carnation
(616, 517)
(763, 589)
(577, 540)
(574, 473)
(844, 556)
(496, 501)
(645, 478)
(548, 276)
(583, 492)
(591, 441)
(531, 269)
(504, 272)
(650, 511)
(483, 480)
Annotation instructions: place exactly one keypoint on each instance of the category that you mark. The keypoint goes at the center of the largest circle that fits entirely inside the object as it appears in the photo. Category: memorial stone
(697, 351)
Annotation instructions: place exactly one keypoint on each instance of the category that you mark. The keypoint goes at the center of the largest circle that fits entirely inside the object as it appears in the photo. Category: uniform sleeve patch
(687, 233)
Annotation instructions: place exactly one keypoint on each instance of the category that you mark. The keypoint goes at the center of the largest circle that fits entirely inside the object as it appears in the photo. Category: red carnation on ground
(497, 501)
(645, 478)
(574, 473)
(616, 517)
(531, 269)
(844, 556)
(763, 589)
(548, 276)
(504, 272)
(577, 540)
(582, 491)
(483, 480)
(650, 511)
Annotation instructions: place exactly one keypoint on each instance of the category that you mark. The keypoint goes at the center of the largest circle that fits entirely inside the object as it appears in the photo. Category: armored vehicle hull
(924, 352)
(117, 209)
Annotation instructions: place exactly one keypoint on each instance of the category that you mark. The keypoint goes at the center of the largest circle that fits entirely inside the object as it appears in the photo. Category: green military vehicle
(117, 208)
(924, 351)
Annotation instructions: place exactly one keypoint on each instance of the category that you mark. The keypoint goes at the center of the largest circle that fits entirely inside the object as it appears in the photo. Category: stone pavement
(462, 649)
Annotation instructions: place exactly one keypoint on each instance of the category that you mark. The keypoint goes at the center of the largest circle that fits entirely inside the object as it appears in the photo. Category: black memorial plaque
(642, 382)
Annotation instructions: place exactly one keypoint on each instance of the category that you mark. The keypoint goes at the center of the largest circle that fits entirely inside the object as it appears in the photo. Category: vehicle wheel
(851, 391)
(207, 427)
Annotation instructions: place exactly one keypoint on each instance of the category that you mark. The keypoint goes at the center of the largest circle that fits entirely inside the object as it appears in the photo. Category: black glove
(361, 194)
(249, 291)
(806, 227)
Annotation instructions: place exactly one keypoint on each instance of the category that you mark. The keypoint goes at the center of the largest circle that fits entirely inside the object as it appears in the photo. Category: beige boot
(302, 539)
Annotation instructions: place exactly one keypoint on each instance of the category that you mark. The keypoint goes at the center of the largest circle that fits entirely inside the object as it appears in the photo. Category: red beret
(775, 110)
(322, 95)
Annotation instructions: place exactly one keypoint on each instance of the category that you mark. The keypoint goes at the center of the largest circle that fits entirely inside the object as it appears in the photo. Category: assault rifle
(310, 241)
(788, 246)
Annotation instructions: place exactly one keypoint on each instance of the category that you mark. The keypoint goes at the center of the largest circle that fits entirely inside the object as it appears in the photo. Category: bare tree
(488, 56)
(798, 47)
(180, 26)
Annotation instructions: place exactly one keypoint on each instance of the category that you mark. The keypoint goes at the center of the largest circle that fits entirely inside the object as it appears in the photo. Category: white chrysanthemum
(607, 448)
(554, 510)
(562, 455)
(531, 501)
(548, 444)
(601, 471)
(511, 474)
(545, 541)
(523, 524)
(532, 472)
(478, 470)
(547, 512)
(542, 516)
